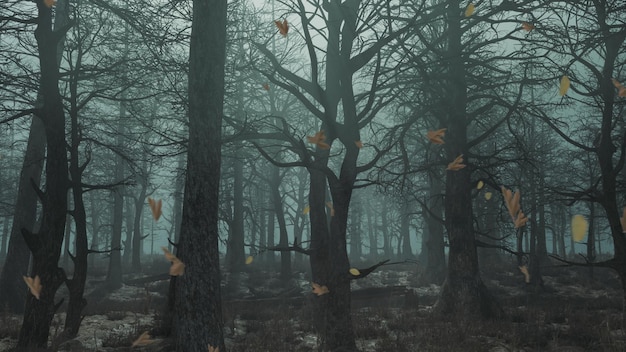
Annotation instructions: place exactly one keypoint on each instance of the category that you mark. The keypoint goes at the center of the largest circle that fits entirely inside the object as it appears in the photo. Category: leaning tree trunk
(46, 243)
(198, 310)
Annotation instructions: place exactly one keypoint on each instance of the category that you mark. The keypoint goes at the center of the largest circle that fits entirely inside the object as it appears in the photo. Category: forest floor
(572, 313)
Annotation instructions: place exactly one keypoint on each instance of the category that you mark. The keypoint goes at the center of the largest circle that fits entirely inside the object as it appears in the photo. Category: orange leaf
(319, 290)
(49, 3)
(524, 270)
(178, 267)
(143, 340)
(527, 26)
(621, 90)
(359, 144)
(520, 221)
(283, 27)
(155, 207)
(318, 139)
(435, 136)
(34, 285)
(457, 164)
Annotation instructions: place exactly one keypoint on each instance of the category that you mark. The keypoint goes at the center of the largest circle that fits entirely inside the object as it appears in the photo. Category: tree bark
(198, 310)
(46, 243)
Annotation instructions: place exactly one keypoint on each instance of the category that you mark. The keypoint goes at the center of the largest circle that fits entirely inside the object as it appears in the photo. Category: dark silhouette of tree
(198, 312)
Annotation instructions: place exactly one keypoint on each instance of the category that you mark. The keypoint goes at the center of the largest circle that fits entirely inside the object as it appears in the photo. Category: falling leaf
(34, 285)
(319, 290)
(249, 259)
(488, 195)
(621, 90)
(49, 3)
(332, 209)
(622, 220)
(318, 139)
(527, 26)
(469, 10)
(521, 220)
(306, 210)
(579, 227)
(283, 27)
(355, 271)
(143, 340)
(178, 267)
(524, 270)
(266, 86)
(359, 144)
(156, 208)
(213, 349)
(457, 164)
(435, 136)
(480, 185)
(511, 200)
(564, 85)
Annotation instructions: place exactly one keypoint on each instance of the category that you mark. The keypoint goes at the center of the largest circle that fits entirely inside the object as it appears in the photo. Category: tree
(198, 312)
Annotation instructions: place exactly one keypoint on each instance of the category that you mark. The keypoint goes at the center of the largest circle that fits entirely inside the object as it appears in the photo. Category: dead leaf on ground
(143, 340)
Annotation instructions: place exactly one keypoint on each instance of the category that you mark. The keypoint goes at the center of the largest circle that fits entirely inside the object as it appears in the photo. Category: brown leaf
(332, 209)
(143, 340)
(318, 139)
(319, 290)
(178, 267)
(524, 270)
(49, 3)
(527, 26)
(359, 144)
(283, 27)
(457, 164)
(155, 207)
(213, 349)
(34, 285)
(435, 136)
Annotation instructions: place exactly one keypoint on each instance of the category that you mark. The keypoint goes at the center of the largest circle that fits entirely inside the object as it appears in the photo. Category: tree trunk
(137, 229)
(283, 240)
(435, 268)
(236, 251)
(463, 294)
(46, 243)
(114, 275)
(198, 310)
(12, 296)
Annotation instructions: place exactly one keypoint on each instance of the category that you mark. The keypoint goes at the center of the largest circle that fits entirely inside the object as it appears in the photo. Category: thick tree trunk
(435, 266)
(46, 243)
(12, 296)
(463, 294)
(198, 310)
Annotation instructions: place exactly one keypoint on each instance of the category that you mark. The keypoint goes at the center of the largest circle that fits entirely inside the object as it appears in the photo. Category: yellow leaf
(143, 340)
(457, 164)
(480, 185)
(564, 85)
(355, 271)
(435, 136)
(524, 270)
(622, 220)
(249, 259)
(34, 285)
(579, 227)
(49, 3)
(155, 207)
(306, 210)
(469, 10)
(318, 139)
(488, 195)
(318, 289)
